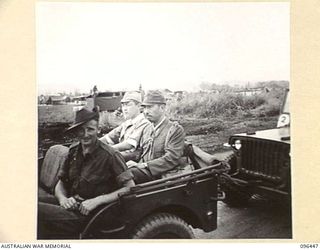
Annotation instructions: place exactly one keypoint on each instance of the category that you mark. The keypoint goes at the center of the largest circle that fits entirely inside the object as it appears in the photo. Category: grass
(226, 104)
(51, 114)
(209, 119)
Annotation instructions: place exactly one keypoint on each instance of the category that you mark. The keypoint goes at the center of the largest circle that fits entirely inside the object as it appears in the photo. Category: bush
(226, 104)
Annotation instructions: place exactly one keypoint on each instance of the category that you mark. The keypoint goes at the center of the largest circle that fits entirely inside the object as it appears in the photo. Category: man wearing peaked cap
(165, 142)
(88, 178)
(154, 97)
(127, 138)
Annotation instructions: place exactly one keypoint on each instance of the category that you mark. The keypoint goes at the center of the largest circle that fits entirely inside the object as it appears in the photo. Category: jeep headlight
(237, 144)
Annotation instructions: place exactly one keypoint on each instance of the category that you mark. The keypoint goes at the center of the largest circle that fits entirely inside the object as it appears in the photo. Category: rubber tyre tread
(152, 225)
(232, 161)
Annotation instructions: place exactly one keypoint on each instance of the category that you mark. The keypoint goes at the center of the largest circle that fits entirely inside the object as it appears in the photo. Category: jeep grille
(264, 159)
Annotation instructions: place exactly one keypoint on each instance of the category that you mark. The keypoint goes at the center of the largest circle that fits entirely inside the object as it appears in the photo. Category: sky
(118, 46)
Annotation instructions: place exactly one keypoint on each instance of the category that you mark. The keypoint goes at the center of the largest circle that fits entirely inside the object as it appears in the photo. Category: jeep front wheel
(236, 196)
(162, 226)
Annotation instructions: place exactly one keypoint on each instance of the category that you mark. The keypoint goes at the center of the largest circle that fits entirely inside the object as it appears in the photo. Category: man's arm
(135, 137)
(122, 146)
(60, 190)
(112, 137)
(62, 196)
(88, 205)
(118, 166)
(106, 139)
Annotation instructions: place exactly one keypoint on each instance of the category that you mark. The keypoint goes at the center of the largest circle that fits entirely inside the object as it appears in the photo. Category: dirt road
(260, 219)
(257, 220)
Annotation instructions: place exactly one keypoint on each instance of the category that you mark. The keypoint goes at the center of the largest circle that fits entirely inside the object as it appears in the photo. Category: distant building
(58, 100)
(80, 100)
(107, 101)
(251, 91)
(212, 91)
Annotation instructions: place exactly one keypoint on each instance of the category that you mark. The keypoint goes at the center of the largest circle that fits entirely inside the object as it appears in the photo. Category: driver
(89, 178)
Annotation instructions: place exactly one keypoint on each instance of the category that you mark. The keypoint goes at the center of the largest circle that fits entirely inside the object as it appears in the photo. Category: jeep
(160, 209)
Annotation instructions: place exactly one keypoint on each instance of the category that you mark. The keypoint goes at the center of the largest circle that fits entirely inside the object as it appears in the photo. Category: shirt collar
(91, 150)
(133, 121)
(159, 124)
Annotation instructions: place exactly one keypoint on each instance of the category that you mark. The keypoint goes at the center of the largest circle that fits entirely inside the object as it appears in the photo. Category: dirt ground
(258, 220)
(211, 134)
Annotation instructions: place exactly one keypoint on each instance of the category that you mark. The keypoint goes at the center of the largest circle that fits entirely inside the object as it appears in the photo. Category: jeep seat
(54, 159)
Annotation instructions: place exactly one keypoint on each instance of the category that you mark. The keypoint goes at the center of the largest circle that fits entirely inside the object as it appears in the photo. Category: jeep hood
(277, 134)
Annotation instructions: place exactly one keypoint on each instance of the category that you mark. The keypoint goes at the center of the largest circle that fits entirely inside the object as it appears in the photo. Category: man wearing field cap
(165, 142)
(127, 138)
(88, 178)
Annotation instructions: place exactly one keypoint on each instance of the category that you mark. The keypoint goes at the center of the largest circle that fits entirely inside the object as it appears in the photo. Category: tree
(95, 90)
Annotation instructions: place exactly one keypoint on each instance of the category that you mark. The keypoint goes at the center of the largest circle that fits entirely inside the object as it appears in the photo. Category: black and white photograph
(163, 120)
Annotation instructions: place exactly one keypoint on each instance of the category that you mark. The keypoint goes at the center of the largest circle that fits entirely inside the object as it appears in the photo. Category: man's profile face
(88, 133)
(153, 112)
(130, 109)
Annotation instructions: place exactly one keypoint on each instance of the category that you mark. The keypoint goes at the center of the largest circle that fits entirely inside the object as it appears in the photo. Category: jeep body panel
(278, 135)
(192, 197)
(264, 160)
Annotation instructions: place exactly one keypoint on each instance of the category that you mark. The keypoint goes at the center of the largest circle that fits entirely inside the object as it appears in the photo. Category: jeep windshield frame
(285, 105)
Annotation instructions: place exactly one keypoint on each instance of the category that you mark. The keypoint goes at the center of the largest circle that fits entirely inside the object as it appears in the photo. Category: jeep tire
(162, 226)
(235, 195)
(236, 199)
(232, 161)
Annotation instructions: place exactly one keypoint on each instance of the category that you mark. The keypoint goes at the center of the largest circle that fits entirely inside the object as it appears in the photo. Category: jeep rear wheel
(163, 226)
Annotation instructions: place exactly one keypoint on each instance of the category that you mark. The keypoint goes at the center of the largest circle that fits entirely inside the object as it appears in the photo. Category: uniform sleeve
(136, 137)
(63, 173)
(173, 152)
(106, 139)
(119, 167)
(114, 135)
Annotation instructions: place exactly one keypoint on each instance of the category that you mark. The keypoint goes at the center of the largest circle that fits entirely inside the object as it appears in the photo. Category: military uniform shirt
(130, 131)
(165, 147)
(92, 174)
